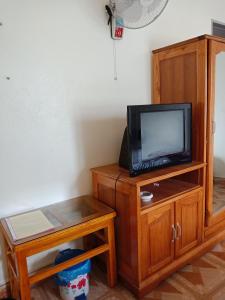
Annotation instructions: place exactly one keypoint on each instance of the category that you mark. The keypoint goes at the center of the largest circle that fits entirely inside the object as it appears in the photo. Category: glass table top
(62, 215)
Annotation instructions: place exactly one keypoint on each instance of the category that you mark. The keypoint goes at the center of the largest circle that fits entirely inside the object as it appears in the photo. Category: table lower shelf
(51, 270)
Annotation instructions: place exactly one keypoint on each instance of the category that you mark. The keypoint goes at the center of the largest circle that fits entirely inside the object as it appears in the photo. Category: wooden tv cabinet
(155, 239)
(181, 222)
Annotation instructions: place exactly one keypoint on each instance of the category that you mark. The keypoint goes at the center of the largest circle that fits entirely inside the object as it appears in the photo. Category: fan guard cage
(138, 13)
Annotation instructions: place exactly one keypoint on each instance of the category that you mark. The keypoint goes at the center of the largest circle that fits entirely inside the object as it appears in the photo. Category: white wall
(61, 112)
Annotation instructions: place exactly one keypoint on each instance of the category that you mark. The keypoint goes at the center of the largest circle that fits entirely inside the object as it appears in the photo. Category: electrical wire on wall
(115, 60)
(118, 177)
(116, 31)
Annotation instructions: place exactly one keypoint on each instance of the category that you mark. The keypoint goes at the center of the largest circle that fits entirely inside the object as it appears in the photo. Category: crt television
(156, 136)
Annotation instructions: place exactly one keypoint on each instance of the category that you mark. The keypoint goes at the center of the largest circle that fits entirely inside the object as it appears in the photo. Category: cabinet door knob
(179, 231)
(174, 233)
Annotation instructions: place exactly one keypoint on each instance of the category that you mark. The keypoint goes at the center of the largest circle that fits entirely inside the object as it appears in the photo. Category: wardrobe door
(215, 204)
(179, 75)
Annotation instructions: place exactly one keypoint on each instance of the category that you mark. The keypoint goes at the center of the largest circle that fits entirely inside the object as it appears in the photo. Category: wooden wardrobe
(193, 71)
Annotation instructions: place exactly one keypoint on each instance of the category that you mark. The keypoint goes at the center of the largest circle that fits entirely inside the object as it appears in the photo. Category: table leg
(7, 249)
(23, 276)
(111, 255)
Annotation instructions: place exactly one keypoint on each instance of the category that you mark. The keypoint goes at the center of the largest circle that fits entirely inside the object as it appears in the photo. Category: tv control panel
(152, 164)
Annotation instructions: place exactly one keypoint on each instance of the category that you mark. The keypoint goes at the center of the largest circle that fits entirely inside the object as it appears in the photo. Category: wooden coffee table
(72, 219)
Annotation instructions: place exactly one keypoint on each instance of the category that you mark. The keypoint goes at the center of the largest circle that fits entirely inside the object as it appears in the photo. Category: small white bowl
(146, 196)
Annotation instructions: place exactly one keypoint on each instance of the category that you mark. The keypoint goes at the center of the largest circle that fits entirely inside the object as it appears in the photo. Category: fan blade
(134, 12)
(123, 5)
(146, 2)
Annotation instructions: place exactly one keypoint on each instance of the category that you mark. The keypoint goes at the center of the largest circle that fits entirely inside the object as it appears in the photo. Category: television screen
(162, 133)
(157, 135)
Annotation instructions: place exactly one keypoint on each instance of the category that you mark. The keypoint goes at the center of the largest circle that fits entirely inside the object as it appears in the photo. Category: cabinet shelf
(165, 190)
(114, 171)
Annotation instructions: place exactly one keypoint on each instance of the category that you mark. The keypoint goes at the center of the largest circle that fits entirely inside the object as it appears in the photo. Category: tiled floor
(203, 279)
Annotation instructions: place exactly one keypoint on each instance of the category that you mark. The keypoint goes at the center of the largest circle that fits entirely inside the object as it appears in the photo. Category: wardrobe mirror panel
(219, 135)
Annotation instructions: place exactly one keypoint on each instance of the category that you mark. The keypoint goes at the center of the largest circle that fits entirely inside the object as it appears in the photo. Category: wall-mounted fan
(133, 14)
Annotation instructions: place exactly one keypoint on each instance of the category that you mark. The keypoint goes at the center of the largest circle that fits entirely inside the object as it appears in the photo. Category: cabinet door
(157, 239)
(189, 222)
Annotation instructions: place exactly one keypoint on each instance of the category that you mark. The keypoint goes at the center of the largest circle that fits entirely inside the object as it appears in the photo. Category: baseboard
(4, 290)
